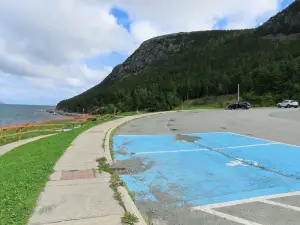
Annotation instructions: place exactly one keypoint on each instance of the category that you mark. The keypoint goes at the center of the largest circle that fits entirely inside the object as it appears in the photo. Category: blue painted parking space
(210, 169)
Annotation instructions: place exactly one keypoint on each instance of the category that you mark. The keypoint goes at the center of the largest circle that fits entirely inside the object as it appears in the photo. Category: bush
(268, 100)
(265, 100)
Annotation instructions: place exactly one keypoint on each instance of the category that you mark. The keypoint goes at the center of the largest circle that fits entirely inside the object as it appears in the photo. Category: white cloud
(45, 41)
(144, 30)
(176, 15)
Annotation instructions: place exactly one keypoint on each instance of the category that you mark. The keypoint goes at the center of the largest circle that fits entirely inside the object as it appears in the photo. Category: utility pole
(238, 92)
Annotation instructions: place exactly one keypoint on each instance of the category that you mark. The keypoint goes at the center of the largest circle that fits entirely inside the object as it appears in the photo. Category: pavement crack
(81, 218)
(247, 162)
(162, 175)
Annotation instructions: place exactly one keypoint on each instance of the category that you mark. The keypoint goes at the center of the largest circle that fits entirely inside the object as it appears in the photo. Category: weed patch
(129, 219)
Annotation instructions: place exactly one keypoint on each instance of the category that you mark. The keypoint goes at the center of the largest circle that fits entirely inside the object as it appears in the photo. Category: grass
(208, 102)
(129, 219)
(133, 113)
(103, 166)
(24, 172)
(115, 183)
(111, 141)
(193, 107)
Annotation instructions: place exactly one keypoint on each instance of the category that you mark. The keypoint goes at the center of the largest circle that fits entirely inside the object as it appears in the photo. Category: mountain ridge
(167, 69)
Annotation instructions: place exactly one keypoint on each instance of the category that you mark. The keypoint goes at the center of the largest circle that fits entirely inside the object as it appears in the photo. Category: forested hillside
(166, 70)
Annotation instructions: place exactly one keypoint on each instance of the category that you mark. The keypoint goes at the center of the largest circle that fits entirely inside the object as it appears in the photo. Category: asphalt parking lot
(214, 166)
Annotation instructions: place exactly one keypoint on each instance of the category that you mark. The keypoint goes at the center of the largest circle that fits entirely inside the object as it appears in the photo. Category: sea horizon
(17, 114)
(1, 103)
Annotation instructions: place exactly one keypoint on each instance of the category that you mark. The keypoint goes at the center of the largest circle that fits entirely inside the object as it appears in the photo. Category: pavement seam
(69, 185)
(83, 218)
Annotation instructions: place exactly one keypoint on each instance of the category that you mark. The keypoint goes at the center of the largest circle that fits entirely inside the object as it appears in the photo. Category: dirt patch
(136, 164)
(186, 138)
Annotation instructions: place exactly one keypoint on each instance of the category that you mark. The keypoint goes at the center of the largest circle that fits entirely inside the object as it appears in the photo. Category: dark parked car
(239, 105)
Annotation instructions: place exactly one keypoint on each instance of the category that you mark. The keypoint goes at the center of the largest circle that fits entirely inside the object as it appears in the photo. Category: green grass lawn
(24, 172)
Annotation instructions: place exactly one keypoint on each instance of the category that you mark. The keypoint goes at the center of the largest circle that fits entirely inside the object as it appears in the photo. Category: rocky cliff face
(152, 51)
(285, 25)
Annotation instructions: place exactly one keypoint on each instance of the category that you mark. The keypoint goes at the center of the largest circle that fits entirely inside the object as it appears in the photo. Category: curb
(128, 202)
(130, 206)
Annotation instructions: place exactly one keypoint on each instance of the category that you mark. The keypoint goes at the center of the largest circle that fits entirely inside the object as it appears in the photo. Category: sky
(52, 50)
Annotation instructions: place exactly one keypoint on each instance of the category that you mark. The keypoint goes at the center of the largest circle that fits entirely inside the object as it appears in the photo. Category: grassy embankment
(20, 133)
(209, 102)
(25, 170)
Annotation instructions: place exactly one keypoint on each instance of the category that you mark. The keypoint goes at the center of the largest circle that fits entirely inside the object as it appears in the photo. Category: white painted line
(252, 137)
(242, 201)
(230, 217)
(264, 139)
(145, 135)
(171, 151)
(281, 205)
(203, 149)
(245, 146)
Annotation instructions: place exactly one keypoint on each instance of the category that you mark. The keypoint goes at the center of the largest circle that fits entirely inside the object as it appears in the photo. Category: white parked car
(288, 104)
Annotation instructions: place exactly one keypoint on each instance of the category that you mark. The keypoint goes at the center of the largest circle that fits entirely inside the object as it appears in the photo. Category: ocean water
(14, 114)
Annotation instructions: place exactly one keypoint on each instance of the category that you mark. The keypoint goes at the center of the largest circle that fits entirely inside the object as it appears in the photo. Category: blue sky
(75, 44)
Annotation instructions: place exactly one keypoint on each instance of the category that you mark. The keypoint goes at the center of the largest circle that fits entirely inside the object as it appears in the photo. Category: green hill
(168, 69)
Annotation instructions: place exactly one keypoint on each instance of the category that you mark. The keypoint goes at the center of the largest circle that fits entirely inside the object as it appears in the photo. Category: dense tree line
(267, 71)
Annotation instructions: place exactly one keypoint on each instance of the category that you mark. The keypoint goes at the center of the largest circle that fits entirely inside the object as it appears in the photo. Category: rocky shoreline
(62, 113)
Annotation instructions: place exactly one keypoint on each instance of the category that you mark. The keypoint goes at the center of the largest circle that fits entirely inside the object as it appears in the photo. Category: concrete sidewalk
(75, 193)
(8, 147)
